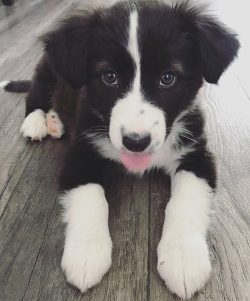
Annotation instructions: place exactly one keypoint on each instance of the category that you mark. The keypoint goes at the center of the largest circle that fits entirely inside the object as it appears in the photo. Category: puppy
(124, 82)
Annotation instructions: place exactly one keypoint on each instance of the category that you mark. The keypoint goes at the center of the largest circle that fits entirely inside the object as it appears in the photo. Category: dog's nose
(135, 142)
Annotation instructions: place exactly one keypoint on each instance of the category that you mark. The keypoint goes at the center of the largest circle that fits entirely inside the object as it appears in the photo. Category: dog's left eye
(109, 78)
(167, 79)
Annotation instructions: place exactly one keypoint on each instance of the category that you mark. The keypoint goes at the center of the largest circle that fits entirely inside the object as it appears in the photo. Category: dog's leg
(183, 257)
(38, 102)
(88, 246)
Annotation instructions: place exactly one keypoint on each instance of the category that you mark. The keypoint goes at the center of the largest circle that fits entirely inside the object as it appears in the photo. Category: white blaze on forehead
(134, 49)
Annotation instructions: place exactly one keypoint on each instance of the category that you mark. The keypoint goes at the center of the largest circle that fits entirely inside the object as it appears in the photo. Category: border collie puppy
(124, 82)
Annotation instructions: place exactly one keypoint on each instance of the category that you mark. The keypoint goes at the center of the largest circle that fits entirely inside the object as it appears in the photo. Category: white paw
(86, 261)
(55, 127)
(184, 265)
(34, 126)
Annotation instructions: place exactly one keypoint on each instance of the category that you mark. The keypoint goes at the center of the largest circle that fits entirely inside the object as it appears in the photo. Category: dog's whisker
(92, 135)
(190, 139)
(94, 129)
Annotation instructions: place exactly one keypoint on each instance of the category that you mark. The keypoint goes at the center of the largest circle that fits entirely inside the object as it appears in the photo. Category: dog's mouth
(136, 162)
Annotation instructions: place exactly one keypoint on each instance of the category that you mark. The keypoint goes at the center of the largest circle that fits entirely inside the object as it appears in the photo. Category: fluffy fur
(183, 258)
(124, 81)
(34, 125)
(87, 252)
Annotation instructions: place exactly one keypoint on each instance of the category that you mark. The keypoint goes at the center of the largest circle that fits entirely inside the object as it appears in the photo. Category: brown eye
(167, 79)
(109, 78)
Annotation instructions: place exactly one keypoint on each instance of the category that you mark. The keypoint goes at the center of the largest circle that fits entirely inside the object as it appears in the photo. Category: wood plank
(159, 197)
(229, 139)
(129, 201)
(25, 218)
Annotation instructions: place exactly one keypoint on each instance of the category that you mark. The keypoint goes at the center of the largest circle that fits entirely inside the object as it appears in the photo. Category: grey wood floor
(31, 232)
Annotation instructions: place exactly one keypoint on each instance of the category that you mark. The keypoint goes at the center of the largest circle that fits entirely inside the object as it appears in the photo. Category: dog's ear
(67, 47)
(218, 47)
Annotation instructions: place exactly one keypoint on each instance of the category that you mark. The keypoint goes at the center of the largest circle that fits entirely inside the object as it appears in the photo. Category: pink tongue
(136, 162)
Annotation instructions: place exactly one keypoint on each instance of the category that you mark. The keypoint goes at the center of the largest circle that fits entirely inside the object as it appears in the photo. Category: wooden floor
(31, 232)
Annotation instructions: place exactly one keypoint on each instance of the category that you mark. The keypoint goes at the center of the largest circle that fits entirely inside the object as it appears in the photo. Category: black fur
(218, 48)
(42, 88)
(20, 86)
(67, 47)
(201, 163)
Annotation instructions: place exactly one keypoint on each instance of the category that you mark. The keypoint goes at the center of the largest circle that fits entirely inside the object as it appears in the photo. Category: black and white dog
(124, 82)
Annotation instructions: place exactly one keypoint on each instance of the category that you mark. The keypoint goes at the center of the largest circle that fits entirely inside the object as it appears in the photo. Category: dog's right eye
(109, 78)
(167, 79)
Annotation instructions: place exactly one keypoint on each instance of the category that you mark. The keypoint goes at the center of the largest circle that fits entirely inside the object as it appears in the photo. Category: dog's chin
(136, 162)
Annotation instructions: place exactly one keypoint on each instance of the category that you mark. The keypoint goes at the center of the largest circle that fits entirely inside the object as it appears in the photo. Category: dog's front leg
(88, 246)
(183, 257)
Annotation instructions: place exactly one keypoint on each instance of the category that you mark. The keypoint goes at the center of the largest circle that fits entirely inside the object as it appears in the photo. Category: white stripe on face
(134, 50)
(133, 114)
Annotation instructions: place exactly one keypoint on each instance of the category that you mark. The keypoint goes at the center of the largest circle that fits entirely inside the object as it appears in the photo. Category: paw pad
(55, 127)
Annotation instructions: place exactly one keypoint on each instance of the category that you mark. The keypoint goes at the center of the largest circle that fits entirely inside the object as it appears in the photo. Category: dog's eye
(109, 78)
(167, 79)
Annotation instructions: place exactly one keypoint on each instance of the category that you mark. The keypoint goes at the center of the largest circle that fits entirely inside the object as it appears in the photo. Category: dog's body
(124, 82)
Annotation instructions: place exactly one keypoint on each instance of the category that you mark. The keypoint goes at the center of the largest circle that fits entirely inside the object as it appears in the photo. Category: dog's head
(142, 64)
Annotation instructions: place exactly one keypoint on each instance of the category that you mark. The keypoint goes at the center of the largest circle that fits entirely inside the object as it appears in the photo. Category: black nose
(135, 142)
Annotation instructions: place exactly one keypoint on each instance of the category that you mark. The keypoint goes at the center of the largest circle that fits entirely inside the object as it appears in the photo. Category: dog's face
(142, 65)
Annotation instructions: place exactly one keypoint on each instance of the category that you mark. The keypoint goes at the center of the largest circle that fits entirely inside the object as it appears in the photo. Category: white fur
(105, 148)
(34, 125)
(164, 156)
(133, 113)
(183, 258)
(4, 83)
(88, 246)
(133, 48)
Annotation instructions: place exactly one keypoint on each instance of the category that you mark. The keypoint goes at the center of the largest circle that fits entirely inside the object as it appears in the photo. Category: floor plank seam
(10, 267)
(11, 112)
(243, 87)
(149, 240)
(2, 213)
(14, 224)
(39, 251)
(20, 213)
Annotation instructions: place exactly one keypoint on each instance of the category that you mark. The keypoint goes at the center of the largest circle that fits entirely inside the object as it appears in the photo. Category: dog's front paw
(85, 262)
(34, 126)
(184, 265)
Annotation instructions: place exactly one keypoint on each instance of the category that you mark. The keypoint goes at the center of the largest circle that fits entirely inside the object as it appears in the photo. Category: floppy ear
(67, 48)
(218, 48)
